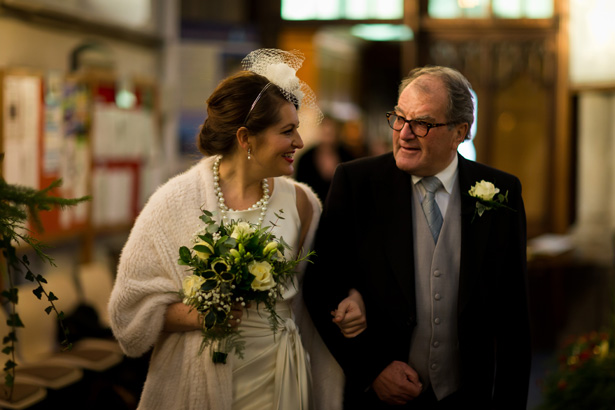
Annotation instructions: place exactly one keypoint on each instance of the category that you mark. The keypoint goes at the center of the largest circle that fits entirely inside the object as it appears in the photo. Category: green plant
(17, 204)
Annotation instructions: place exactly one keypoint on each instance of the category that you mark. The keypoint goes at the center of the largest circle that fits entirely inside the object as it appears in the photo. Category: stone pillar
(170, 85)
(594, 229)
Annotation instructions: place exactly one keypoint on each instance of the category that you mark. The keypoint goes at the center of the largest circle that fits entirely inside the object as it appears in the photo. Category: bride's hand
(350, 315)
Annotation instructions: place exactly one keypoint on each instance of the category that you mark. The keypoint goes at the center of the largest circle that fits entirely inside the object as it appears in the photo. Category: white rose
(484, 190)
(263, 278)
(204, 255)
(191, 284)
(242, 229)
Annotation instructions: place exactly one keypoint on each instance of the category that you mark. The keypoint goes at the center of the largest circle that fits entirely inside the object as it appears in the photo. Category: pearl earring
(249, 152)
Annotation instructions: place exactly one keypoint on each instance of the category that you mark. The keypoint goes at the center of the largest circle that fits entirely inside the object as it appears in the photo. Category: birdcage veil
(280, 68)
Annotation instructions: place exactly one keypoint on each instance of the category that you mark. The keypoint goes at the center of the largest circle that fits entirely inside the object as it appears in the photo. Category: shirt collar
(446, 176)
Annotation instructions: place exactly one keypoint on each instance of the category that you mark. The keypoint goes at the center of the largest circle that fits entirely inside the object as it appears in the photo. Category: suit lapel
(474, 234)
(393, 190)
(395, 203)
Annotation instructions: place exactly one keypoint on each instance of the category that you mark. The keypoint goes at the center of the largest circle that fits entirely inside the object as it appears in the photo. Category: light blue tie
(430, 207)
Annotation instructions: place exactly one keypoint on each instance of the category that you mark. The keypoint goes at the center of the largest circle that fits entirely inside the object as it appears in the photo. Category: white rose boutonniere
(488, 197)
(484, 190)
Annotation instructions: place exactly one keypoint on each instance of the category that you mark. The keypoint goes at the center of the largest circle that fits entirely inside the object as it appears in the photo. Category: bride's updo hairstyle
(228, 108)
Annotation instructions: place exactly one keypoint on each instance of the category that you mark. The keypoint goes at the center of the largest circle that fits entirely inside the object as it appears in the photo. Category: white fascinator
(280, 68)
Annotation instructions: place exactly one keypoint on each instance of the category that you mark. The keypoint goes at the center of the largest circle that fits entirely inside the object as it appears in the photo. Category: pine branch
(17, 203)
(15, 198)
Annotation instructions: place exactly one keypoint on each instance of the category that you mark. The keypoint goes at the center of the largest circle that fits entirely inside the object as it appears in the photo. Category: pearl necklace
(261, 203)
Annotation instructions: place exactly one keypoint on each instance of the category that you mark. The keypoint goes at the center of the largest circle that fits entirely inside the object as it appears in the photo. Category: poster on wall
(21, 112)
(53, 127)
(74, 169)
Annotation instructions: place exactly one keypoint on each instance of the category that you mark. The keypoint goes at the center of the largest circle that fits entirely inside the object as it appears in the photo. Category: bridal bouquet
(233, 264)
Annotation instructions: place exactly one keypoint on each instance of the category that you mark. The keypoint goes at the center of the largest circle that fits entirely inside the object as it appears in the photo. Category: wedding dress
(274, 372)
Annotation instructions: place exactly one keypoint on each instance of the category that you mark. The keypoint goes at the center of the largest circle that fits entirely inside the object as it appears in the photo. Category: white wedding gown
(275, 371)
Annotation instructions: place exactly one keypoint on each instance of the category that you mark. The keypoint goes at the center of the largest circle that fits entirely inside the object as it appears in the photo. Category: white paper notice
(112, 196)
(21, 113)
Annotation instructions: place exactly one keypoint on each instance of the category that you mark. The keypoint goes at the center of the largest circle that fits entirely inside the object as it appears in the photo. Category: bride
(249, 140)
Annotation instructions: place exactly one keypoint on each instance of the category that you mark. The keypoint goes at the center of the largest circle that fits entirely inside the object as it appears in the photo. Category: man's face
(425, 99)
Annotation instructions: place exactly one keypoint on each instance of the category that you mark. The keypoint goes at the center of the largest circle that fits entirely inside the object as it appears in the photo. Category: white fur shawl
(147, 282)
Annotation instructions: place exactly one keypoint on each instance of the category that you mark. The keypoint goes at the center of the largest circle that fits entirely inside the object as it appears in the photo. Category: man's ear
(462, 131)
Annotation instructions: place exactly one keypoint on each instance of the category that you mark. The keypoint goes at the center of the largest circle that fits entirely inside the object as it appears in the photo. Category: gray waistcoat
(434, 350)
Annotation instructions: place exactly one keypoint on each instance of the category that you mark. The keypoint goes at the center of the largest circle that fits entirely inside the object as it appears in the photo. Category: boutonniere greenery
(487, 197)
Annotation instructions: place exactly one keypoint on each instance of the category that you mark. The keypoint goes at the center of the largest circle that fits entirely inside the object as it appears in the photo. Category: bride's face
(274, 148)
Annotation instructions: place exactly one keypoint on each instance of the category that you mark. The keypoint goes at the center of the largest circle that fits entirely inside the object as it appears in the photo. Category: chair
(38, 339)
(24, 395)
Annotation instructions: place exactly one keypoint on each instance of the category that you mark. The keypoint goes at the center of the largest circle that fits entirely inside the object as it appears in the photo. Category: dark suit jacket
(307, 170)
(365, 241)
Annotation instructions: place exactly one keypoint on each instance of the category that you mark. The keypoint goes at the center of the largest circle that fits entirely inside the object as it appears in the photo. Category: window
(509, 9)
(342, 9)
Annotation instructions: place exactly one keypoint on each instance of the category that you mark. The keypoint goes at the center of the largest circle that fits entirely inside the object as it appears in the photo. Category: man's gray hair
(460, 103)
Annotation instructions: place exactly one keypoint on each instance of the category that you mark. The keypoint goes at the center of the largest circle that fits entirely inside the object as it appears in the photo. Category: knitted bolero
(148, 280)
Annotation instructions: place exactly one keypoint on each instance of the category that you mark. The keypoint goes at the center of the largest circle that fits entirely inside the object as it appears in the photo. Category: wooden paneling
(516, 70)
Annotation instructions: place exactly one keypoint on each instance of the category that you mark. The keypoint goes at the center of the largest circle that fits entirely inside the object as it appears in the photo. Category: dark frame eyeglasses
(418, 127)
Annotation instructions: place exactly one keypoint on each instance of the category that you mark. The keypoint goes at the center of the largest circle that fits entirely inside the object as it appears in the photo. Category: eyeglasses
(418, 128)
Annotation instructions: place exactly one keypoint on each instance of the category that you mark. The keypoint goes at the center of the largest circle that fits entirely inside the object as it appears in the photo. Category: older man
(436, 245)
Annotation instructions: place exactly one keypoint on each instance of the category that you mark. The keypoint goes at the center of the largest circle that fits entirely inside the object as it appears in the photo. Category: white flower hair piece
(285, 78)
(280, 68)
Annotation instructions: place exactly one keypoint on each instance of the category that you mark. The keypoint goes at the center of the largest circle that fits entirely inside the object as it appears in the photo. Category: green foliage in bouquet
(17, 204)
(234, 264)
(585, 374)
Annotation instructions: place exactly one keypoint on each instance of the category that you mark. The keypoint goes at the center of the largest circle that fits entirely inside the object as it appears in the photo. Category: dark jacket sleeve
(349, 249)
(513, 341)
(494, 330)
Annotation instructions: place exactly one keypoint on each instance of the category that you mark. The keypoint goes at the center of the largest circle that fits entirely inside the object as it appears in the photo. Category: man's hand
(397, 384)
(350, 315)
